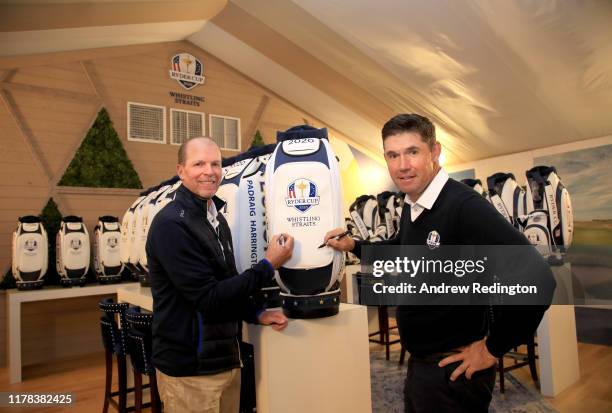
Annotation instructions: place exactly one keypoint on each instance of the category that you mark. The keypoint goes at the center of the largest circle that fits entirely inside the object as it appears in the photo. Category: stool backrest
(140, 339)
(113, 332)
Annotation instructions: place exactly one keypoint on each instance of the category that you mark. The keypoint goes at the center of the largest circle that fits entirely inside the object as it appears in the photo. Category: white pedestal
(320, 365)
(352, 296)
(352, 292)
(557, 341)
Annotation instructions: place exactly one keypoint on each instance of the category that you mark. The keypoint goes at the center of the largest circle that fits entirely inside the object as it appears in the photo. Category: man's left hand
(274, 318)
(474, 357)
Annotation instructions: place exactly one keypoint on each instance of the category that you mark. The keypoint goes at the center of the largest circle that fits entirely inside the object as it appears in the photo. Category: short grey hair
(183, 148)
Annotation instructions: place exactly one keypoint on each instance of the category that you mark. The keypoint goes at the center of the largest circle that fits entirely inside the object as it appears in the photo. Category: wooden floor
(84, 377)
(593, 392)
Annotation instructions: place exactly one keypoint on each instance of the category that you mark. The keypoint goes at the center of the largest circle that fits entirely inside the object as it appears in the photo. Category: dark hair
(410, 122)
(183, 148)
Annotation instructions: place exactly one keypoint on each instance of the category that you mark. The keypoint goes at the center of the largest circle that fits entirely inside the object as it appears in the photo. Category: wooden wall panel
(91, 203)
(15, 155)
(3, 329)
(58, 128)
(67, 77)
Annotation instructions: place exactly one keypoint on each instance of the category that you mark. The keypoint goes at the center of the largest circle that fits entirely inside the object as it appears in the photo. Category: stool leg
(380, 324)
(531, 358)
(402, 356)
(122, 372)
(155, 402)
(385, 329)
(109, 379)
(137, 392)
(501, 374)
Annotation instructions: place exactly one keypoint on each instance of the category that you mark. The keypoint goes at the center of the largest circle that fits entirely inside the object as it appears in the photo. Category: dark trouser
(429, 389)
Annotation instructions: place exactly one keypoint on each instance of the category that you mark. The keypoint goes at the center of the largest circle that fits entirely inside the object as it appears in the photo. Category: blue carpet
(388, 384)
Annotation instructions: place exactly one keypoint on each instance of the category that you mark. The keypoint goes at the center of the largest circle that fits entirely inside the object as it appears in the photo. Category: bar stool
(114, 340)
(384, 330)
(520, 360)
(140, 342)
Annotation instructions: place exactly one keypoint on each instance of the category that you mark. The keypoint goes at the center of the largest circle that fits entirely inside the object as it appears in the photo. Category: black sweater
(463, 217)
(199, 299)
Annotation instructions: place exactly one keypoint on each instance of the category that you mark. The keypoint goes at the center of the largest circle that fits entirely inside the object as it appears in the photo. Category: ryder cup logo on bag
(75, 244)
(112, 242)
(31, 245)
(302, 194)
(433, 240)
(187, 70)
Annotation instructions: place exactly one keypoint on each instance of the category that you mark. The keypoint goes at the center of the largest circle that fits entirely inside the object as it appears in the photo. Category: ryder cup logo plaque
(187, 70)
(433, 240)
(302, 194)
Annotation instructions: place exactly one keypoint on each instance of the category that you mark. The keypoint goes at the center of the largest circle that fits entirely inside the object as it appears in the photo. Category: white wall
(519, 163)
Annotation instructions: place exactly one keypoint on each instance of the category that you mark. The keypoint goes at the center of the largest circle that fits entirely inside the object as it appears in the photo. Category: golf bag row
(290, 187)
(135, 227)
(30, 252)
(542, 210)
(376, 218)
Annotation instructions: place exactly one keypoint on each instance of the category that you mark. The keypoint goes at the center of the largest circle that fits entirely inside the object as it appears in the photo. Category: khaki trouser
(216, 393)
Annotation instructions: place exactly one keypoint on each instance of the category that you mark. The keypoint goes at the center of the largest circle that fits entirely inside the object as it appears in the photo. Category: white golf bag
(476, 185)
(389, 212)
(107, 254)
(508, 197)
(139, 224)
(304, 199)
(30, 253)
(73, 252)
(162, 196)
(242, 189)
(536, 229)
(127, 233)
(547, 194)
(364, 213)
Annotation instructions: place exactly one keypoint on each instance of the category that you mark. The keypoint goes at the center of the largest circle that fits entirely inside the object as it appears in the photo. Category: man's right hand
(344, 244)
(278, 252)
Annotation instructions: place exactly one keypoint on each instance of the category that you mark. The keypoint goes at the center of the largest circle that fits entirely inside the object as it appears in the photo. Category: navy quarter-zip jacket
(199, 299)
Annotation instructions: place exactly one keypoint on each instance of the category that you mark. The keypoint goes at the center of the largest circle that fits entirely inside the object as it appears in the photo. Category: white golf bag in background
(508, 197)
(162, 196)
(389, 212)
(242, 189)
(377, 218)
(476, 185)
(303, 198)
(549, 196)
(107, 255)
(73, 251)
(127, 232)
(30, 253)
(364, 213)
(536, 229)
(141, 215)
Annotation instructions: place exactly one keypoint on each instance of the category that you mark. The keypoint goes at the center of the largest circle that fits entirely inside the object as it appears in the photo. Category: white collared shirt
(429, 196)
(211, 214)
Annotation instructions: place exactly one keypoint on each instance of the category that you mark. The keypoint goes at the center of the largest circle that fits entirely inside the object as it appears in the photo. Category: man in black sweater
(199, 299)
(453, 349)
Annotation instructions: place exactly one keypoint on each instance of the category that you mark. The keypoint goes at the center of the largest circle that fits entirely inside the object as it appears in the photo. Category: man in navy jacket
(453, 349)
(199, 299)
